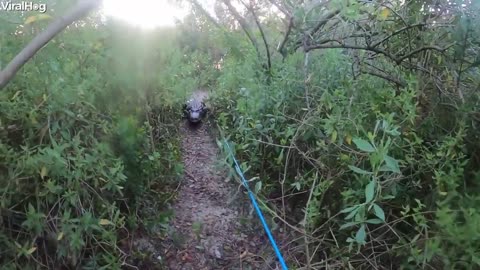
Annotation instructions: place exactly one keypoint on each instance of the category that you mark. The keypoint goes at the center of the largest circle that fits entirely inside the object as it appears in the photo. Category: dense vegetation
(88, 151)
(359, 118)
(366, 115)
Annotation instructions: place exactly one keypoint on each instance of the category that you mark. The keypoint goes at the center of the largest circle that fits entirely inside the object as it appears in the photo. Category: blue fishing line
(257, 209)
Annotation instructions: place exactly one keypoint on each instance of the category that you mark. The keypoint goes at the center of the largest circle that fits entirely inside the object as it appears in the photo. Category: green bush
(379, 181)
(79, 163)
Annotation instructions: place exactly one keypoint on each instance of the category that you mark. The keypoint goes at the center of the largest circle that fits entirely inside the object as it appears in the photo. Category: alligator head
(195, 110)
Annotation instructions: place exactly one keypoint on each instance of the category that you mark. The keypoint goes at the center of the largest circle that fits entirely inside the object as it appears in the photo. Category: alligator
(194, 110)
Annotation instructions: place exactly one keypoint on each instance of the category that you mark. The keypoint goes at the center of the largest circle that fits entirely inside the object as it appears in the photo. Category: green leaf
(393, 132)
(358, 170)
(31, 250)
(349, 209)
(374, 221)
(347, 225)
(352, 214)
(361, 235)
(296, 185)
(43, 172)
(379, 212)
(334, 136)
(280, 158)
(388, 197)
(363, 145)
(385, 168)
(105, 222)
(392, 164)
(258, 186)
(360, 216)
(369, 191)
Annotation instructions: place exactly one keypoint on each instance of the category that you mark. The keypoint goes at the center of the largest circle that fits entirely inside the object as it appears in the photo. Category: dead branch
(81, 9)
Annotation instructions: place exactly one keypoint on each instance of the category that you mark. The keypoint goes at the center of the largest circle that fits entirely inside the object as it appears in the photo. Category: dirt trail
(210, 229)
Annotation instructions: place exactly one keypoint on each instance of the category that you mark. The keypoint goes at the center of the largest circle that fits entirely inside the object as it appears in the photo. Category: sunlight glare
(145, 13)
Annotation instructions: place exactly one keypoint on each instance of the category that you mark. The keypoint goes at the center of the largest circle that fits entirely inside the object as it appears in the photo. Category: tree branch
(243, 24)
(324, 21)
(78, 11)
(386, 77)
(320, 24)
(397, 59)
(267, 49)
(205, 13)
(398, 32)
(281, 46)
(346, 46)
(425, 48)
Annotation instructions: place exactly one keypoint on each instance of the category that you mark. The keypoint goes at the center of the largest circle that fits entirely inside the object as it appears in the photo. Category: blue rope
(259, 212)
